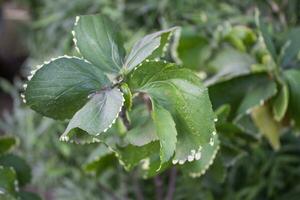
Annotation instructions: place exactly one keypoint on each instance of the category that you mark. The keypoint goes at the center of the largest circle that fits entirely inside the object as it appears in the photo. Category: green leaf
(100, 159)
(7, 180)
(281, 102)
(263, 28)
(7, 144)
(99, 40)
(229, 63)
(20, 166)
(143, 130)
(267, 125)
(193, 49)
(99, 113)
(293, 48)
(208, 153)
(130, 156)
(143, 48)
(181, 93)
(60, 87)
(293, 80)
(242, 93)
(165, 130)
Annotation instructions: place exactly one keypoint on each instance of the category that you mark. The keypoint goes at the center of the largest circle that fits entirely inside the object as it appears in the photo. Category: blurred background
(32, 31)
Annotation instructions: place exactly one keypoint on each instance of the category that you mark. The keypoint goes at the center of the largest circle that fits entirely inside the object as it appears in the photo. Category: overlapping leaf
(60, 87)
(97, 115)
(99, 41)
(181, 93)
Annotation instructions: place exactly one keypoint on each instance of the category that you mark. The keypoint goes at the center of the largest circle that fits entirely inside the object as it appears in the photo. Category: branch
(172, 184)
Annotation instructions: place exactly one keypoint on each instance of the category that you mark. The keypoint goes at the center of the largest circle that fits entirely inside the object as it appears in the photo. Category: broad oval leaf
(99, 113)
(99, 41)
(182, 94)
(60, 87)
(144, 47)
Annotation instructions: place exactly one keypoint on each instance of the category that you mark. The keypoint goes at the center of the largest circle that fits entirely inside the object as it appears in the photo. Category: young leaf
(7, 143)
(165, 130)
(293, 80)
(20, 166)
(281, 101)
(60, 87)
(144, 48)
(97, 115)
(182, 94)
(99, 41)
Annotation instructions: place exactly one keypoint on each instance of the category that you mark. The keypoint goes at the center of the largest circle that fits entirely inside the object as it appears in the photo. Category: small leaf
(229, 63)
(7, 144)
(20, 166)
(143, 131)
(181, 93)
(193, 49)
(165, 130)
(61, 87)
(267, 125)
(130, 156)
(7, 180)
(99, 41)
(293, 80)
(97, 115)
(281, 101)
(239, 93)
(144, 48)
(266, 36)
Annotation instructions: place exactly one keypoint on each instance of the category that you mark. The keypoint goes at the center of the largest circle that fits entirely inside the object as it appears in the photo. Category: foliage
(249, 67)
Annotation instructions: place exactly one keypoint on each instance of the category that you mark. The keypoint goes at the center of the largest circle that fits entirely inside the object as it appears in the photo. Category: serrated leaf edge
(195, 154)
(195, 175)
(66, 138)
(38, 67)
(74, 34)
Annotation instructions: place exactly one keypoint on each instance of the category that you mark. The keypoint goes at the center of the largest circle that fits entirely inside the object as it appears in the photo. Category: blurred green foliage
(222, 44)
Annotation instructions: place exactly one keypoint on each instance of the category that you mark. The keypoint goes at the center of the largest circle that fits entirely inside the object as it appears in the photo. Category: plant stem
(172, 184)
(158, 187)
